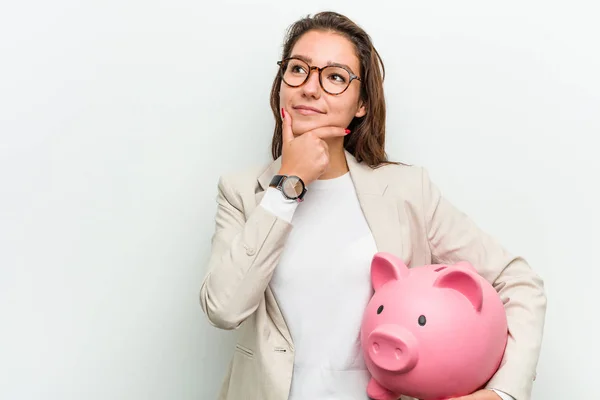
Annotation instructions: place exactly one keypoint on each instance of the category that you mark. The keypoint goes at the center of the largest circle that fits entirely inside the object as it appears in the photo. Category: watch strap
(276, 181)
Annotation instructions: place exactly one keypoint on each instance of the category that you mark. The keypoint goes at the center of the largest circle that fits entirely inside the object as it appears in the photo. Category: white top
(322, 285)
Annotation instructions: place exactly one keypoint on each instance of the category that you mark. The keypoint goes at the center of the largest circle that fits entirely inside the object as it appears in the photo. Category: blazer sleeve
(452, 237)
(244, 254)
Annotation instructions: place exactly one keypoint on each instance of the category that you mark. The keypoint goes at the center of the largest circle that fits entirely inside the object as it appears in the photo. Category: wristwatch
(291, 186)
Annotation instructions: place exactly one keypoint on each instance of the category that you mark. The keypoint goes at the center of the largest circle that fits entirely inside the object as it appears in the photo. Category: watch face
(292, 187)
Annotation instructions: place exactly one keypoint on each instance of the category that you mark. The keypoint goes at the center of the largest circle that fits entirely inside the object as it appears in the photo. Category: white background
(117, 117)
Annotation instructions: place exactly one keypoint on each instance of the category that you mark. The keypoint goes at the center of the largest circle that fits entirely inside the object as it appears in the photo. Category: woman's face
(320, 49)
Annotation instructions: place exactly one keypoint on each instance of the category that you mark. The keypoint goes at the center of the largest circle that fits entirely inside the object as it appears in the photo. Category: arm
(244, 254)
(453, 237)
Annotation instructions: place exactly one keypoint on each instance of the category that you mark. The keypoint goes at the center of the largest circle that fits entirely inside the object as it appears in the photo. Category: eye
(297, 69)
(422, 320)
(337, 78)
(380, 309)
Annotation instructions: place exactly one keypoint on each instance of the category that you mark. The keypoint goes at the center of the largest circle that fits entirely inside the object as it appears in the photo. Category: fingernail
(282, 113)
(347, 131)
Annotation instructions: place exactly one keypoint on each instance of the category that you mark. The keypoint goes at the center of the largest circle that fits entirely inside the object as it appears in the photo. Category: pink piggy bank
(432, 332)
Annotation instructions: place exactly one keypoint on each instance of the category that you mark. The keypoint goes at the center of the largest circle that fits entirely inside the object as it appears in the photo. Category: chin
(300, 126)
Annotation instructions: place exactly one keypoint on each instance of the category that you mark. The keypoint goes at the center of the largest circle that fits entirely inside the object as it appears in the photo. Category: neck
(337, 159)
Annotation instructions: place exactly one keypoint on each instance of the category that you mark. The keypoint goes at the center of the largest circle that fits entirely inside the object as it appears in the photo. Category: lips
(307, 110)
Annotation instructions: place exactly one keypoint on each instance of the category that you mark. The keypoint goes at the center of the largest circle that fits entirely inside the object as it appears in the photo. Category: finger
(287, 134)
(325, 146)
(326, 132)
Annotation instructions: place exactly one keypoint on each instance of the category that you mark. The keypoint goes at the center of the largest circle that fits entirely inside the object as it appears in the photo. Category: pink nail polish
(282, 113)
(347, 131)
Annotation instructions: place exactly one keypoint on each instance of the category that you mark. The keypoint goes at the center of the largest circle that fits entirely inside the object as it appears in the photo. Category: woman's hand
(307, 155)
(484, 394)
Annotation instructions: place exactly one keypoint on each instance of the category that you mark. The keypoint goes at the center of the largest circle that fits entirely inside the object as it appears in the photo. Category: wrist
(284, 171)
(288, 172)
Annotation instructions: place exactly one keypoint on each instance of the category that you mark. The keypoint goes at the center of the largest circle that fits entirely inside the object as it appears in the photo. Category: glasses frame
(320, 71)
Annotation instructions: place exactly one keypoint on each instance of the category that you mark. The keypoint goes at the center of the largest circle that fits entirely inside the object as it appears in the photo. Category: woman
(291, 252)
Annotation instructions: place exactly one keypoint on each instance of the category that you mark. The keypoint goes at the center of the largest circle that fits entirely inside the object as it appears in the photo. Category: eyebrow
(309, 60)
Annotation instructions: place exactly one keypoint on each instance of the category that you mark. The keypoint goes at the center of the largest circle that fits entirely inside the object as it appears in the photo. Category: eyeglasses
(333, 79)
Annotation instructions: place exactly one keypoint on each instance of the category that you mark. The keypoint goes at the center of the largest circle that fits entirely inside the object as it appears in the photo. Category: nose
(393, 348)
(312, 87)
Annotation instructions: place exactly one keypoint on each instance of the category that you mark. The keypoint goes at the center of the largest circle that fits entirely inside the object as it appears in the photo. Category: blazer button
(250, 251)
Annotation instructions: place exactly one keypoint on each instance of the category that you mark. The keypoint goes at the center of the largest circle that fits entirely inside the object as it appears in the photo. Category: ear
(386, 267)
(464, 282)
(362, 109)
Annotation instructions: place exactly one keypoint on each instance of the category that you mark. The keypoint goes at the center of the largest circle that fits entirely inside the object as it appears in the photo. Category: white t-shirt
(322, 285)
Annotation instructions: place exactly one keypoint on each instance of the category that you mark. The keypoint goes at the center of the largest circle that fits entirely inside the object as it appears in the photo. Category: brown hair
(367, 140)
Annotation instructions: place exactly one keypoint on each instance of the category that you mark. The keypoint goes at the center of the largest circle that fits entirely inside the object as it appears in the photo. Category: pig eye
(380, 309)
(422, 320)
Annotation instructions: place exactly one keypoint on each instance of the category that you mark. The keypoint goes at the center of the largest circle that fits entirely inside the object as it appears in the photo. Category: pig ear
(386, 267)
(464, 282)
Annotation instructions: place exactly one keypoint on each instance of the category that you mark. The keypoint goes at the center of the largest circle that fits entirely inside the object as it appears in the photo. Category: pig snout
(393, 348)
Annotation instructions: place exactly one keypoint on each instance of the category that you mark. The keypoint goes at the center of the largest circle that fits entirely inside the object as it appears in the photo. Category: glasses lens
(335, 79)
(294, 72)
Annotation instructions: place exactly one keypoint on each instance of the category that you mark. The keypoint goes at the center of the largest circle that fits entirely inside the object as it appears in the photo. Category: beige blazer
(408, 217)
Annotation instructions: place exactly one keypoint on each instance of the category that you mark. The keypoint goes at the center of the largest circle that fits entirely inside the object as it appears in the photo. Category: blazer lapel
(380, 211)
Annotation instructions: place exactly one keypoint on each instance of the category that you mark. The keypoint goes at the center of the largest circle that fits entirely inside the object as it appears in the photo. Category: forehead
(326, 47)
